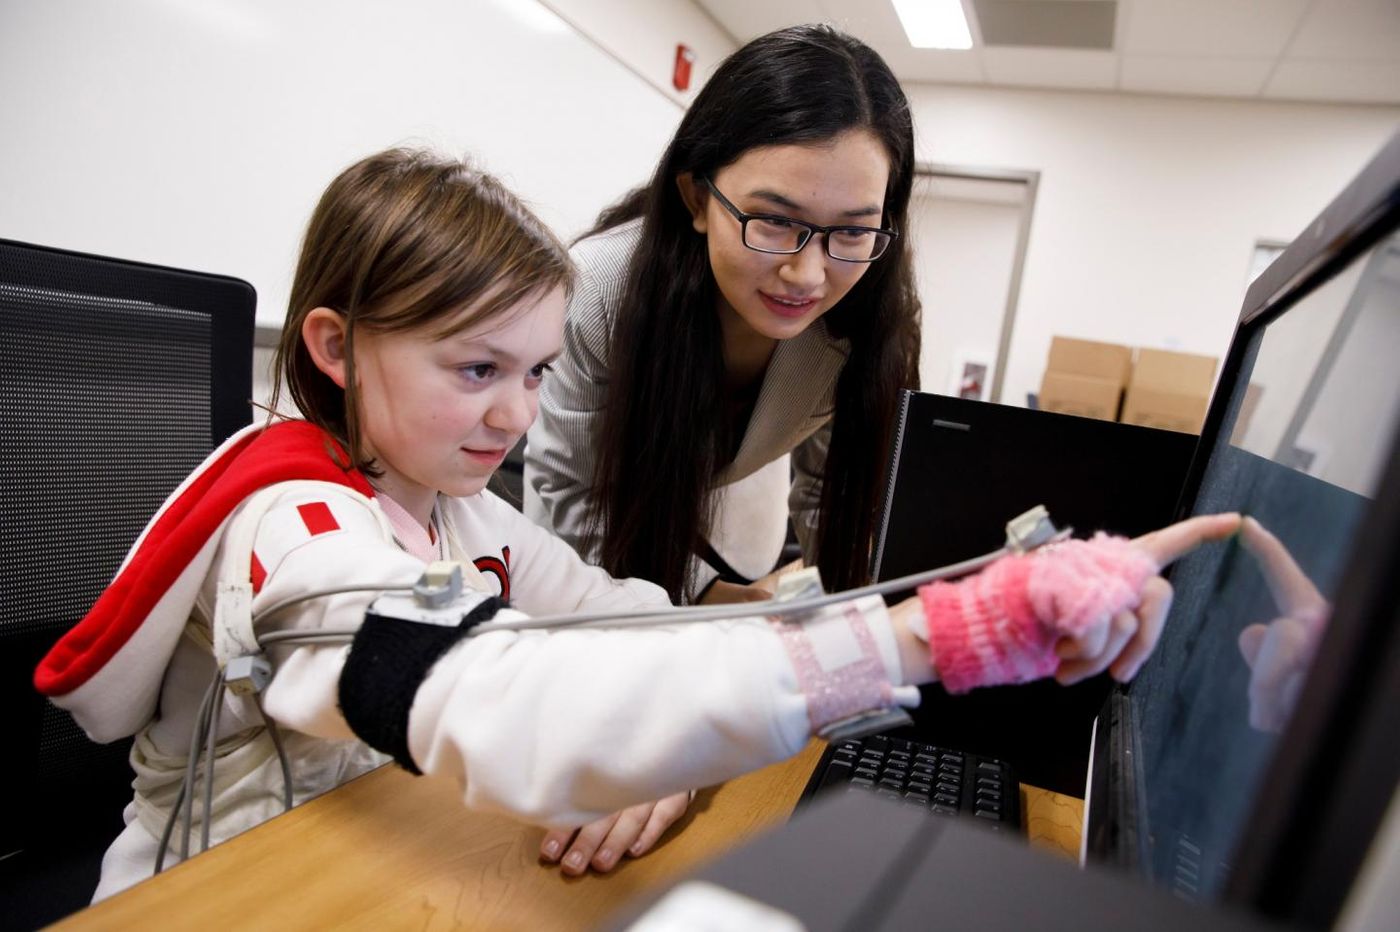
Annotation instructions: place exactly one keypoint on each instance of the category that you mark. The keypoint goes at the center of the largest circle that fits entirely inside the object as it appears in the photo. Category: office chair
(116, 379)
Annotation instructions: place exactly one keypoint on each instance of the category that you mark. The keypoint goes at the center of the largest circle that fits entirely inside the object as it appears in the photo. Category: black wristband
(389, 659)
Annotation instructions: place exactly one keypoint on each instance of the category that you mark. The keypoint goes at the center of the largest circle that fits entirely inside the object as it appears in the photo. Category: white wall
(644, 35)
(199, 133)
(1148, 207)
(964, 250)
(1348, 428)
(1288, 356)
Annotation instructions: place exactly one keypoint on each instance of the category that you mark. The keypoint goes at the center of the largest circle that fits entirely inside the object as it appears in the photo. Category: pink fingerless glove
(1000, 626)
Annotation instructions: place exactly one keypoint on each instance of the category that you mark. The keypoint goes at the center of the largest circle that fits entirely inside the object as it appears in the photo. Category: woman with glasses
(754, 300)
(736, 342)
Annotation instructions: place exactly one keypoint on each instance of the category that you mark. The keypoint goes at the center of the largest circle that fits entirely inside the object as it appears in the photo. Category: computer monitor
(962, 469)
(1254, 757)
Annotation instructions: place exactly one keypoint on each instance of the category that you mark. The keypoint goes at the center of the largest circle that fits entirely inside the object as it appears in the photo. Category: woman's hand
(601, 844)
(1123, 642)
(721, 593)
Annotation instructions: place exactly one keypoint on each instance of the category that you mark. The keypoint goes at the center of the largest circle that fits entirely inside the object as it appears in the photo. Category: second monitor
(960, 470)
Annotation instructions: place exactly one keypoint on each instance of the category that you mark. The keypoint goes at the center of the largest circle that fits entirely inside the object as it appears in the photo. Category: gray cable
(662, 616)
(213, 740)
(169, 829)
(276, 607)
(768, 607)
(665, 616)
(186, 785)
(281, 754)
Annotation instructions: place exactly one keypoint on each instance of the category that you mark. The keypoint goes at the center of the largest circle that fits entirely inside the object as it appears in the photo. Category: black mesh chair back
(116, 379)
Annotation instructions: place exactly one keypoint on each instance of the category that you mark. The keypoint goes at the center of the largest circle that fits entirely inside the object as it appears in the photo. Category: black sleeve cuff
(389, 659)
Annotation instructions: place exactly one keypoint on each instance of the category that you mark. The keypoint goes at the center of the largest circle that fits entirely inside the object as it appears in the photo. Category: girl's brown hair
(400, 240)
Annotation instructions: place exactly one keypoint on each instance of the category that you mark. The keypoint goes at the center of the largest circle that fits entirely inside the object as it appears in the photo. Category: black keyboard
(922, 776)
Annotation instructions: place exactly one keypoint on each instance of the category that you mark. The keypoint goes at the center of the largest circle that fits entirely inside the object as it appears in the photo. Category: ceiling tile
(1350, 30)
(1212, 77)
(1200, 28)
(1070, 24)
(1051, 68)
(1355, 82)
(935, 65)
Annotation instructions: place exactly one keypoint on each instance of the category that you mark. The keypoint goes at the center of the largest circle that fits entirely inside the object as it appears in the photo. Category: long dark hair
(662, 441)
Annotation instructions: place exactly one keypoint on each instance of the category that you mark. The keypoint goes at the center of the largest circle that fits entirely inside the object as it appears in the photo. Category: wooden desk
(390, 851)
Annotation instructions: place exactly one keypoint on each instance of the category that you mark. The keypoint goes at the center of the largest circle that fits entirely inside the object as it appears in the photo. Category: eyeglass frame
(811, 228)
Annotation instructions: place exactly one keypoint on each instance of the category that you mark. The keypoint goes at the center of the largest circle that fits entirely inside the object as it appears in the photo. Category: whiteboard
(199, 133)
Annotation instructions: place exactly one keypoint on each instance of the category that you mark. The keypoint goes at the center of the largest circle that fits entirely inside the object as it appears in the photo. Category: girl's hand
(1122, 642)
(601, 844)
(1071, 611)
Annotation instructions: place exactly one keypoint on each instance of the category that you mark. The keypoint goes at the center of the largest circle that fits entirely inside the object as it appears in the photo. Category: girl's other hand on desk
(601, 844)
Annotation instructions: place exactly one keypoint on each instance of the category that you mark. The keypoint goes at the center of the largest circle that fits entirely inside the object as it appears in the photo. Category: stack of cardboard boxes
(1102, 380)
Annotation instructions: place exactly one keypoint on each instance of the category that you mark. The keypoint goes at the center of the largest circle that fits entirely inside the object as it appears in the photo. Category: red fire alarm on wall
(680, 77)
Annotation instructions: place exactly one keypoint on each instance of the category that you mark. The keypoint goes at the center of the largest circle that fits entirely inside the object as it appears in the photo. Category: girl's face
(440, 414)
(776, 297)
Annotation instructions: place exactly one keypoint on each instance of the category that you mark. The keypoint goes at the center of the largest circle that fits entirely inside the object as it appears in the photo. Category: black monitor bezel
(1336, 765)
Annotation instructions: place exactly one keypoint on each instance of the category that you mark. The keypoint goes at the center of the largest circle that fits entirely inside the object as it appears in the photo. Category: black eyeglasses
(784, 235)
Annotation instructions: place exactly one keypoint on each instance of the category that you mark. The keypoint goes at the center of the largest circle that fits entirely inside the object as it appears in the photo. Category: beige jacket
(792, 416)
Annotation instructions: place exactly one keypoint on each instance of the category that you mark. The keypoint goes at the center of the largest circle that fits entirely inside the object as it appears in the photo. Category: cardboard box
(1110, 361)
(1085, 378)
(1169, 390)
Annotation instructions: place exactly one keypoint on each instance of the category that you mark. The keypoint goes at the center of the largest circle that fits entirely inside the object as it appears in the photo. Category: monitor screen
(1314, 426)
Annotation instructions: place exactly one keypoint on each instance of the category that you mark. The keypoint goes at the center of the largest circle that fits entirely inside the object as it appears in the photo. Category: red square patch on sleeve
(317, 517)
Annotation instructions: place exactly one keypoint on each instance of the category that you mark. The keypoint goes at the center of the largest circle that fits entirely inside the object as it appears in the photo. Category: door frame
(1031, 180)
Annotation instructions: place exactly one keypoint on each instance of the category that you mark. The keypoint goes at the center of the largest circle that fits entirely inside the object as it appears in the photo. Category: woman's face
(776, 297)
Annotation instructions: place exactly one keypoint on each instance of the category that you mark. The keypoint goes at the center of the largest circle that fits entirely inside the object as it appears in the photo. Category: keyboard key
(922, 776)
(836, 772)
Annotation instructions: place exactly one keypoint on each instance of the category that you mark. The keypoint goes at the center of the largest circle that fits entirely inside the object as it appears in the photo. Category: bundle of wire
(204, 736)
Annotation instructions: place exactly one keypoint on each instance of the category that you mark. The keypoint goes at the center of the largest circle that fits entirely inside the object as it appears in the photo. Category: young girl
(758, 301)
(426, 308)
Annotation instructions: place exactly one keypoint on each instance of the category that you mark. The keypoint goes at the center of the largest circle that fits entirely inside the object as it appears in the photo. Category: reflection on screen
(1304, 460)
